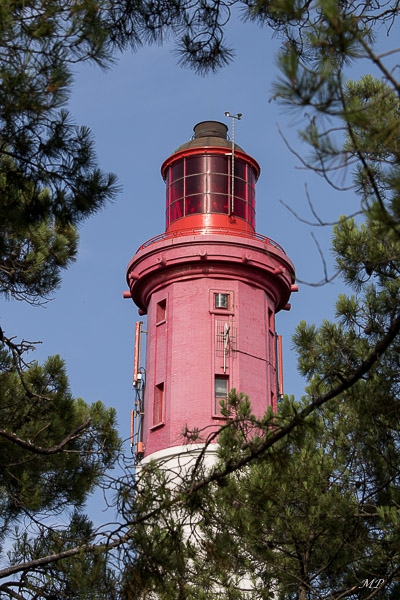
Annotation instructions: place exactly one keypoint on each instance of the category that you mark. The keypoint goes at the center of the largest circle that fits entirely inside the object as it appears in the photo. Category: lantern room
(210, 183)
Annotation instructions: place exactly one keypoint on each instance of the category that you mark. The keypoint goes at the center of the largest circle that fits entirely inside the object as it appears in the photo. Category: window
(158, 406)
(161, 311)
(204, 181)
(221, 301)
(220, 391)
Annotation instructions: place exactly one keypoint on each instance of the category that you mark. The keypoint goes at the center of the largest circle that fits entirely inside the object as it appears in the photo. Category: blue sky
(139, 112)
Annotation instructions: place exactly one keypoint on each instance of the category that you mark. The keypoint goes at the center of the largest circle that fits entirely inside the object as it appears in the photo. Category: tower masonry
(210, 287)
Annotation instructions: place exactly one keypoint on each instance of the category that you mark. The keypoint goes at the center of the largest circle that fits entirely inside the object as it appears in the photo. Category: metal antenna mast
(233, 117)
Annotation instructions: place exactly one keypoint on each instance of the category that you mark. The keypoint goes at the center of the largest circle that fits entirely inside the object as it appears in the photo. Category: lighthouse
(210, 287)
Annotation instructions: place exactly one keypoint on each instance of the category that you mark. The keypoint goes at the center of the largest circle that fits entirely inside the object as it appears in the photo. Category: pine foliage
(304, 504)
(54, 449)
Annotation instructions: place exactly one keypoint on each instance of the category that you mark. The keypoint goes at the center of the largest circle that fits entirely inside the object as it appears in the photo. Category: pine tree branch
(7, 589)
(51, 558)
(27, 445)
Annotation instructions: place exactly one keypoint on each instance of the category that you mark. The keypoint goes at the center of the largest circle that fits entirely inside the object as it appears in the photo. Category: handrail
(211, 230)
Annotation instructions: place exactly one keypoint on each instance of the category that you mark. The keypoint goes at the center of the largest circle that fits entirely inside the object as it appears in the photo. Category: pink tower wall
(184, 356)
(174, 281)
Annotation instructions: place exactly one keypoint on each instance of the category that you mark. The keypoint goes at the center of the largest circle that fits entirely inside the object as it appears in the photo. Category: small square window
(221, 301)
(221, 391)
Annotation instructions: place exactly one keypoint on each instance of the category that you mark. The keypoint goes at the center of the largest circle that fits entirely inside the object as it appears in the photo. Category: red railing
(212, 230)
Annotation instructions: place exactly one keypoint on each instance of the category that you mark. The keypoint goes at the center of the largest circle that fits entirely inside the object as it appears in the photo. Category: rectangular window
(177, 170)
(196, 165)
(221, 301)
(221, 392)
(161, 311)
(158, 406)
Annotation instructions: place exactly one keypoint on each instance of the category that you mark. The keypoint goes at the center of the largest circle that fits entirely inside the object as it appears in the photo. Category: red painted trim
(169, 235)
(210, 221)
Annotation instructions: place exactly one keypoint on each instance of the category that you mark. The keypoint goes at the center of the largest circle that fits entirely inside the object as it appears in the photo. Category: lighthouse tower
(210, 287)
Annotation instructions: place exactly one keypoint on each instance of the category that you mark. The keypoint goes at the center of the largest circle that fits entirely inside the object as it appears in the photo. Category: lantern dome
(210, 183)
